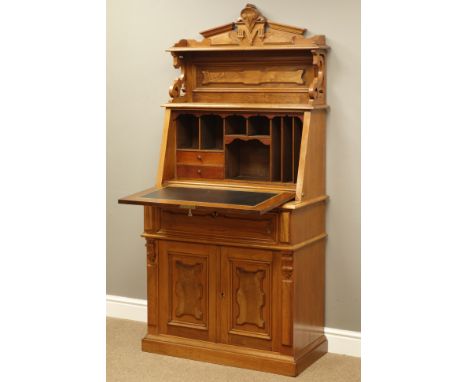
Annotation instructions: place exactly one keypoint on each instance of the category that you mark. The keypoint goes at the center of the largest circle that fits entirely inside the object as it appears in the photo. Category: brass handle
(199, 171)
(199, 157)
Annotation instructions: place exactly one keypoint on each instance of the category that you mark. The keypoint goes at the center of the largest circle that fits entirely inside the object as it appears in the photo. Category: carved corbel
(151, 252)
(287, 266)
(317, 88)
(177, 89)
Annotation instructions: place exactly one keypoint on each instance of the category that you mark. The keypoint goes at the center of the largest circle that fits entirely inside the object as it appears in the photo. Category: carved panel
(253, 77)
(250, 297)
(250, 301)
(189, 290)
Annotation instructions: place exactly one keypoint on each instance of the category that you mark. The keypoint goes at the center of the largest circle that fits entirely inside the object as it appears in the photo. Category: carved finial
(250, 15)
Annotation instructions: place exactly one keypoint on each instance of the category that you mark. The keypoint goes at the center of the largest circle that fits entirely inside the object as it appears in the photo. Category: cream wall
(139, 73)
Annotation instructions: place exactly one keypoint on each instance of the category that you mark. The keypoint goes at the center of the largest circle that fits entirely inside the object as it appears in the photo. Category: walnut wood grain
(253, 77)
(235, 253)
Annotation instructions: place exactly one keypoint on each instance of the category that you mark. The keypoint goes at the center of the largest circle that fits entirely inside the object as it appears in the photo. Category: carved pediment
(252, 29)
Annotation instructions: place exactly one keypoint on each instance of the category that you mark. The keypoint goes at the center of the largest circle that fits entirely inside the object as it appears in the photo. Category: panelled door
(246, 297)
(187, 290)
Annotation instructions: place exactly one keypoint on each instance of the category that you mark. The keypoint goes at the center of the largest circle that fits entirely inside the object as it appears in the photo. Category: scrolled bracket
(317, 87)
(177, 88)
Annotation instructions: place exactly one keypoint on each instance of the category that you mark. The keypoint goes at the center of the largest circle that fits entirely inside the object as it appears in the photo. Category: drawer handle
(198, 171)
(199, 157)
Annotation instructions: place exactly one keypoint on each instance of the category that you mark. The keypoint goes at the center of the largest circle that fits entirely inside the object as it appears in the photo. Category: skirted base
(234, 355)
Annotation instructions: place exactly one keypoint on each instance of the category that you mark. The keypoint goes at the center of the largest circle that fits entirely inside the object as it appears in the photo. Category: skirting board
(339, 341)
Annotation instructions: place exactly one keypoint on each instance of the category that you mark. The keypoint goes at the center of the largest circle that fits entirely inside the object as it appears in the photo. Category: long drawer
(220, 225)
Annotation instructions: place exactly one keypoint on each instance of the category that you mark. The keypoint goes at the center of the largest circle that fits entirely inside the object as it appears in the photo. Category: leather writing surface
(245, 198)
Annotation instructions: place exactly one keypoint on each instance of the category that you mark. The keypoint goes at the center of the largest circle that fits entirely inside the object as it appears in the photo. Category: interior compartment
(258, 125)
(236, 125)
(249, 160)
(286, 150)
(258, 147)
(187, 132)
(211, 132)
(275, 154)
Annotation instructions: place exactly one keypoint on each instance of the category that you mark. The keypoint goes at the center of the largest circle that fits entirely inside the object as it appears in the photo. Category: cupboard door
(187, 290)
(246, 297)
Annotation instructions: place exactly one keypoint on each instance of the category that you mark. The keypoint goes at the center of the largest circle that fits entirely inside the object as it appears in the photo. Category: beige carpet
(126, 362)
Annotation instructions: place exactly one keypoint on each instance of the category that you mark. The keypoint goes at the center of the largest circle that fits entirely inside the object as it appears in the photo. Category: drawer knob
(199, 157)
(198, 171)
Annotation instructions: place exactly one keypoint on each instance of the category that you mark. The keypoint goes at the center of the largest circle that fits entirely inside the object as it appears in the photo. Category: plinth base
(231, 355)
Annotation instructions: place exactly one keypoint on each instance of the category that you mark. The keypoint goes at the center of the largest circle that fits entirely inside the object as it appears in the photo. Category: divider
(257, 147)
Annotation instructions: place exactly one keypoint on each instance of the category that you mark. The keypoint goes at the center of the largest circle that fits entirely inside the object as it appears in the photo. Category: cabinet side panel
(311, 171)
(309, 295)
(166, 166)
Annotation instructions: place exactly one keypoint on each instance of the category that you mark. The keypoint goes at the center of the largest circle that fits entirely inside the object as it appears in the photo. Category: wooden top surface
(243, 106)
(245, 48)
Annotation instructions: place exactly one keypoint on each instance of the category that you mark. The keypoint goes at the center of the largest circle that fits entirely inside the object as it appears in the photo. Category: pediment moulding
(267, 62)
(252, 31)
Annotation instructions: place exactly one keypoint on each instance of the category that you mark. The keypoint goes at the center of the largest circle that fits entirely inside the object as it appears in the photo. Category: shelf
(243, 106)
(203, 150)
(265, 139)
(248, 48)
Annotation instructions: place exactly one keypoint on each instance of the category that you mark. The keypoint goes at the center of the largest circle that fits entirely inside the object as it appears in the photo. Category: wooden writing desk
(235, 224)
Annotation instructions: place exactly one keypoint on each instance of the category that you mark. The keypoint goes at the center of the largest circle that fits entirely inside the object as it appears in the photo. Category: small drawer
(200, 157)
(225, 226)
(205, 172)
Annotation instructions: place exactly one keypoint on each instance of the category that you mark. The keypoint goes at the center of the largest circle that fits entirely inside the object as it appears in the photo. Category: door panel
(188, 290)
(246, 297)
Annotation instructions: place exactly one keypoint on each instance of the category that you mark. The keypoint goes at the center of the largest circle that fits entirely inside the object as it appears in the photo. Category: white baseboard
(339, 341)
(126, 308)
(343, 341)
